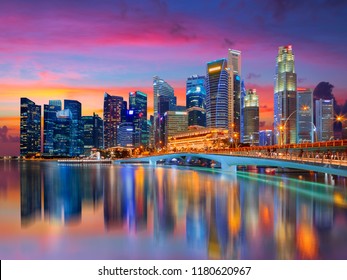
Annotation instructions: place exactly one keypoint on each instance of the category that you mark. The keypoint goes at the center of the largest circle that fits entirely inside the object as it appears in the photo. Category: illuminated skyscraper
(251, 118)
(76, 144)
(161, 88)
(304, 113)
(50, 116)
(175, 122)
(196, 100)
(113, 106)
(30, 127)
(234, 95)
(138, 104)
(62, 140)
(285, 97)
(217, 94)
(92, 132)
(325, 119)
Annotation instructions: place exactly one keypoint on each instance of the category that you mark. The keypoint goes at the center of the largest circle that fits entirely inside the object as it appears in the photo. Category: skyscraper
(92, 132)
(234, 95)
(285, 97)
(125, 134)
(161, 88)
(251, 118)
(175, 122)
(138, 103)
(217, 94)
(30, 127)
(76, 145)
(196, 100)
(62, 139)
(49, 116)
(325, 119)
(304, 114)
(112, 118)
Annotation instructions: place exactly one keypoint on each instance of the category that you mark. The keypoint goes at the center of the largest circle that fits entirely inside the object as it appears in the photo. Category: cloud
(5, 138)
(265, 108)
(253, 76)
(262, 124)
(301, 80)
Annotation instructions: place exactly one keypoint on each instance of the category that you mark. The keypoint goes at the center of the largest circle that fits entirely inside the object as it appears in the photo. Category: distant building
(175, 122)
(138, 104)
(251, 118)
(234, 93)
(62, 140)
(161, 89)
(76, 146)
(196, 100)
(49, 118)
(304, 116)
(113, 108)
(92, 133)
(325, 119)
(201, 139)
(30, 127)
(285, 97)
(217, 90)
(266, 138)
(125, 134)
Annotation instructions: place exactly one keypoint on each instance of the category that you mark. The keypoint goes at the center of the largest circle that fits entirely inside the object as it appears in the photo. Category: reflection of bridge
(229, 162)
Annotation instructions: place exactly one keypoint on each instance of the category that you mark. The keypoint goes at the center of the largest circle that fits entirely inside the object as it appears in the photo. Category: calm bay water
(52, 211)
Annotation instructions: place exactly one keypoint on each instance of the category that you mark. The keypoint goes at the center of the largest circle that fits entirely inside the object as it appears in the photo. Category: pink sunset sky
(62, 49)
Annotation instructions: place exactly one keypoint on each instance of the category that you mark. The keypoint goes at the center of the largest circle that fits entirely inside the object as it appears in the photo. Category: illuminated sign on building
(214, 69)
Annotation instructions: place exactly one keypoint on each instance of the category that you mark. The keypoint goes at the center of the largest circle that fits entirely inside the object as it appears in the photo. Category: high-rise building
(242, 104)
(217, 94)
(174, 122)
(113, 106)
(251, 118)
(30, 127)
(76, 146)
(49, 116)
(196, 100)
(234, 94)
(125, 134)
(265, 137)
(325, 119)
(306, 129)
(161, 88)
(62, 140)
(285, 97)
(138, 104)
(92, 132)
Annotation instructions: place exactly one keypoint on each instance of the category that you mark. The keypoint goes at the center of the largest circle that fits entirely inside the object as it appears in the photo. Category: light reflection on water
(51, 211)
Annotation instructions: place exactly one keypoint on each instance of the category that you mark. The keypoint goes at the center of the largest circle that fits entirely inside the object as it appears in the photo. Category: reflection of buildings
(30, 193)
(62, 194)
(284, 223)
(306, 236)
(125, 199)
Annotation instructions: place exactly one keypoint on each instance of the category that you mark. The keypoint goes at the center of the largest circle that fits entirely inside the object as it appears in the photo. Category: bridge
(229, 162)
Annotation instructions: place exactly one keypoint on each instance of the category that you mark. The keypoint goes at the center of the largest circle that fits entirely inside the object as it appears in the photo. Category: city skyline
(81, 50)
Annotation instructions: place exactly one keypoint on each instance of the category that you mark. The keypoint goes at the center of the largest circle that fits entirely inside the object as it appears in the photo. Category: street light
(282, 128)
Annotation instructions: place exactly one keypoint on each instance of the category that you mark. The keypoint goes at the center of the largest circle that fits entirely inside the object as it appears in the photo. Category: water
(52, 211)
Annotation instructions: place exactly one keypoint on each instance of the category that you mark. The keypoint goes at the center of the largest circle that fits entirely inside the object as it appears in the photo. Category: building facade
(77, 145)
(125, 134)
(234, 95)
(161, 88)
(138, 104)
(49, 119)
(174, 122)
(251, 118)
(30, 127)
(92, 133)
(266, 138)
(306, 130)
(285, 97)
(325, 119)
(196, 100)
(217, 94)
(113, 108)
(62, 140)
